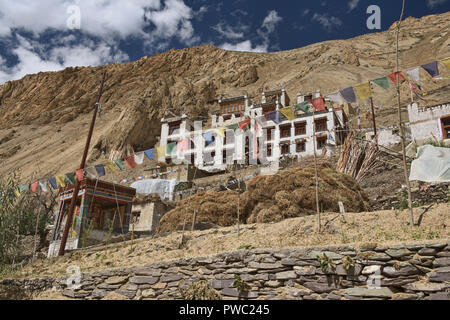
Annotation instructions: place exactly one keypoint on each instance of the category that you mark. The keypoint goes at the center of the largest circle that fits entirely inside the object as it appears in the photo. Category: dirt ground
(388, 226)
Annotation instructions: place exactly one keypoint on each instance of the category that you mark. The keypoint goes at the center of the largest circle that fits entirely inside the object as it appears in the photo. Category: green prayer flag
(120, 163)
(171, 148)
(70, 177)
(23, 188)
(233, 127)
(382, 82)
(304, 106)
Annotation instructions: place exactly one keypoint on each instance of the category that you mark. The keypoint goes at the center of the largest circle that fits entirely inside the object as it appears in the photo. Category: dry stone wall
(406, 272)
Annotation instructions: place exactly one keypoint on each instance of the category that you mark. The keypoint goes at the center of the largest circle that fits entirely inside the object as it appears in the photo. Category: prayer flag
(91, 172)
(446, 62)
(432, 68)
(80, 174)
(288, 113)
(304, 106)
(129, 160)
(274, 116)
(413, 73)
(100, 170)
(183, 145)
(150, 153)
(34, 186)
(244, 124)
(139, 157)
(233, 127)
(110, 166)
(161, 150)
(335, 97)
(17, 193)
(348, 94)
(208, 136)
(393, 76)
(23, 188)
(363, 91)
(318, 104)
(43, 184)
(53, 183)
(382, 82)
(171, 148)
(220, 132)
(60, 179)
(70, 177)
(120, 164)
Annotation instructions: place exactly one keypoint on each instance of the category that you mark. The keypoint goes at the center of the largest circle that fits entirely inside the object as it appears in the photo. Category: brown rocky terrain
(44, 117)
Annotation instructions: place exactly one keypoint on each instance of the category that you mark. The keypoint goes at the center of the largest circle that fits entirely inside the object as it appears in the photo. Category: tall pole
(82, 165)
(373, 120)
(316, 174)
(400, 124)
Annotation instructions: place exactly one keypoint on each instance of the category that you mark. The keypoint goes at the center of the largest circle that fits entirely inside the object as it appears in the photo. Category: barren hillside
(44, 117)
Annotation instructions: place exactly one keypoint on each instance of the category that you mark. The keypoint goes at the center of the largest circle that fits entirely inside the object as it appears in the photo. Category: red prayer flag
(34, 187)
(183, 144)
(243, 124)
(79, 173)
(130, 162)
(393, 76)
(318, 104)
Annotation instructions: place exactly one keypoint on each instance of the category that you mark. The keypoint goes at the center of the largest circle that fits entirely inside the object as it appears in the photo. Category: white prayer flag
(139, 157)
(43, 184)
(413, 73)
(335, 97)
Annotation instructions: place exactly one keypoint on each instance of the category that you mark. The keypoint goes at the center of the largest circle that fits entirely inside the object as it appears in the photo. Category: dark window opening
(300, 146)
(446, 127)
(174, 126)
(269, 150)
(285, 148)
(321, 142)
(270, 132)
(300, 128)
(285, 131)
(321, 125)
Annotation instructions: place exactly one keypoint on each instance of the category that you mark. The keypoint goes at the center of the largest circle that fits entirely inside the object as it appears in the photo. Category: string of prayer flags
(183, 145)
(100, 170)
(150, 154)
(318, 104)
(43, 185)
(274, 116)
(120, 163)
(34, 186)
(446, 62)
(79, 174)
(304, 106)
(110, 166)
(70, 177)
(288, 113)
(432, 68)
(244, 124)
(61, 180)
(53, 183)
(348, 94)
(363, 91)
(335, 97)
(171, 148)
(394, 75)
(382, 82)
(139, 157)
(129, 160)
(413, 73)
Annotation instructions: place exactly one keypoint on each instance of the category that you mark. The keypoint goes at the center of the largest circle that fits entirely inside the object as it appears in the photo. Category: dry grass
(386, 227)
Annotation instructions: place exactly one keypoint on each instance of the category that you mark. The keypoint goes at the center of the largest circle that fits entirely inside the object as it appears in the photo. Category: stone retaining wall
(409, 272)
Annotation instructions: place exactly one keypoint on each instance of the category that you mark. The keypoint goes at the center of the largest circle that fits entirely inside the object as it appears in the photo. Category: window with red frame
(300, 128)
(285, 131)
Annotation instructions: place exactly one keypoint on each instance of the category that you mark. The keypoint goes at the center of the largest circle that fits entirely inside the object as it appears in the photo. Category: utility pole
(82, 165)
(400, 123)
(316, 174)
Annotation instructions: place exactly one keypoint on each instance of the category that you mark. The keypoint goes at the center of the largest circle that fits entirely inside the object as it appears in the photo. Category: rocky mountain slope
(44, 117)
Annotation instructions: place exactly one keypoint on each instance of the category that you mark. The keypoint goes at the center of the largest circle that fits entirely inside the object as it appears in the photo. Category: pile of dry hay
(286, 194)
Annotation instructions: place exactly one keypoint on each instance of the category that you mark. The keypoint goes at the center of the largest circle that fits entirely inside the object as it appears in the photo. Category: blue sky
(35, 35)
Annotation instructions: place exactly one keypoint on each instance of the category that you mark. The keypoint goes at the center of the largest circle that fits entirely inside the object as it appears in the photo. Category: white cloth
(155, 186)
(43, 184)
(335, 97)
(139, 157)
(91, 172)
(432, 164)
(413, 73)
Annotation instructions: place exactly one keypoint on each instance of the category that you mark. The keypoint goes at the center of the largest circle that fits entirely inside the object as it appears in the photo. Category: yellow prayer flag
(110, 166)
(220, 132)
(288, 113)
(363, 91)
(446, 62)
(161, 150)
(61, 180)
(17, 193)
